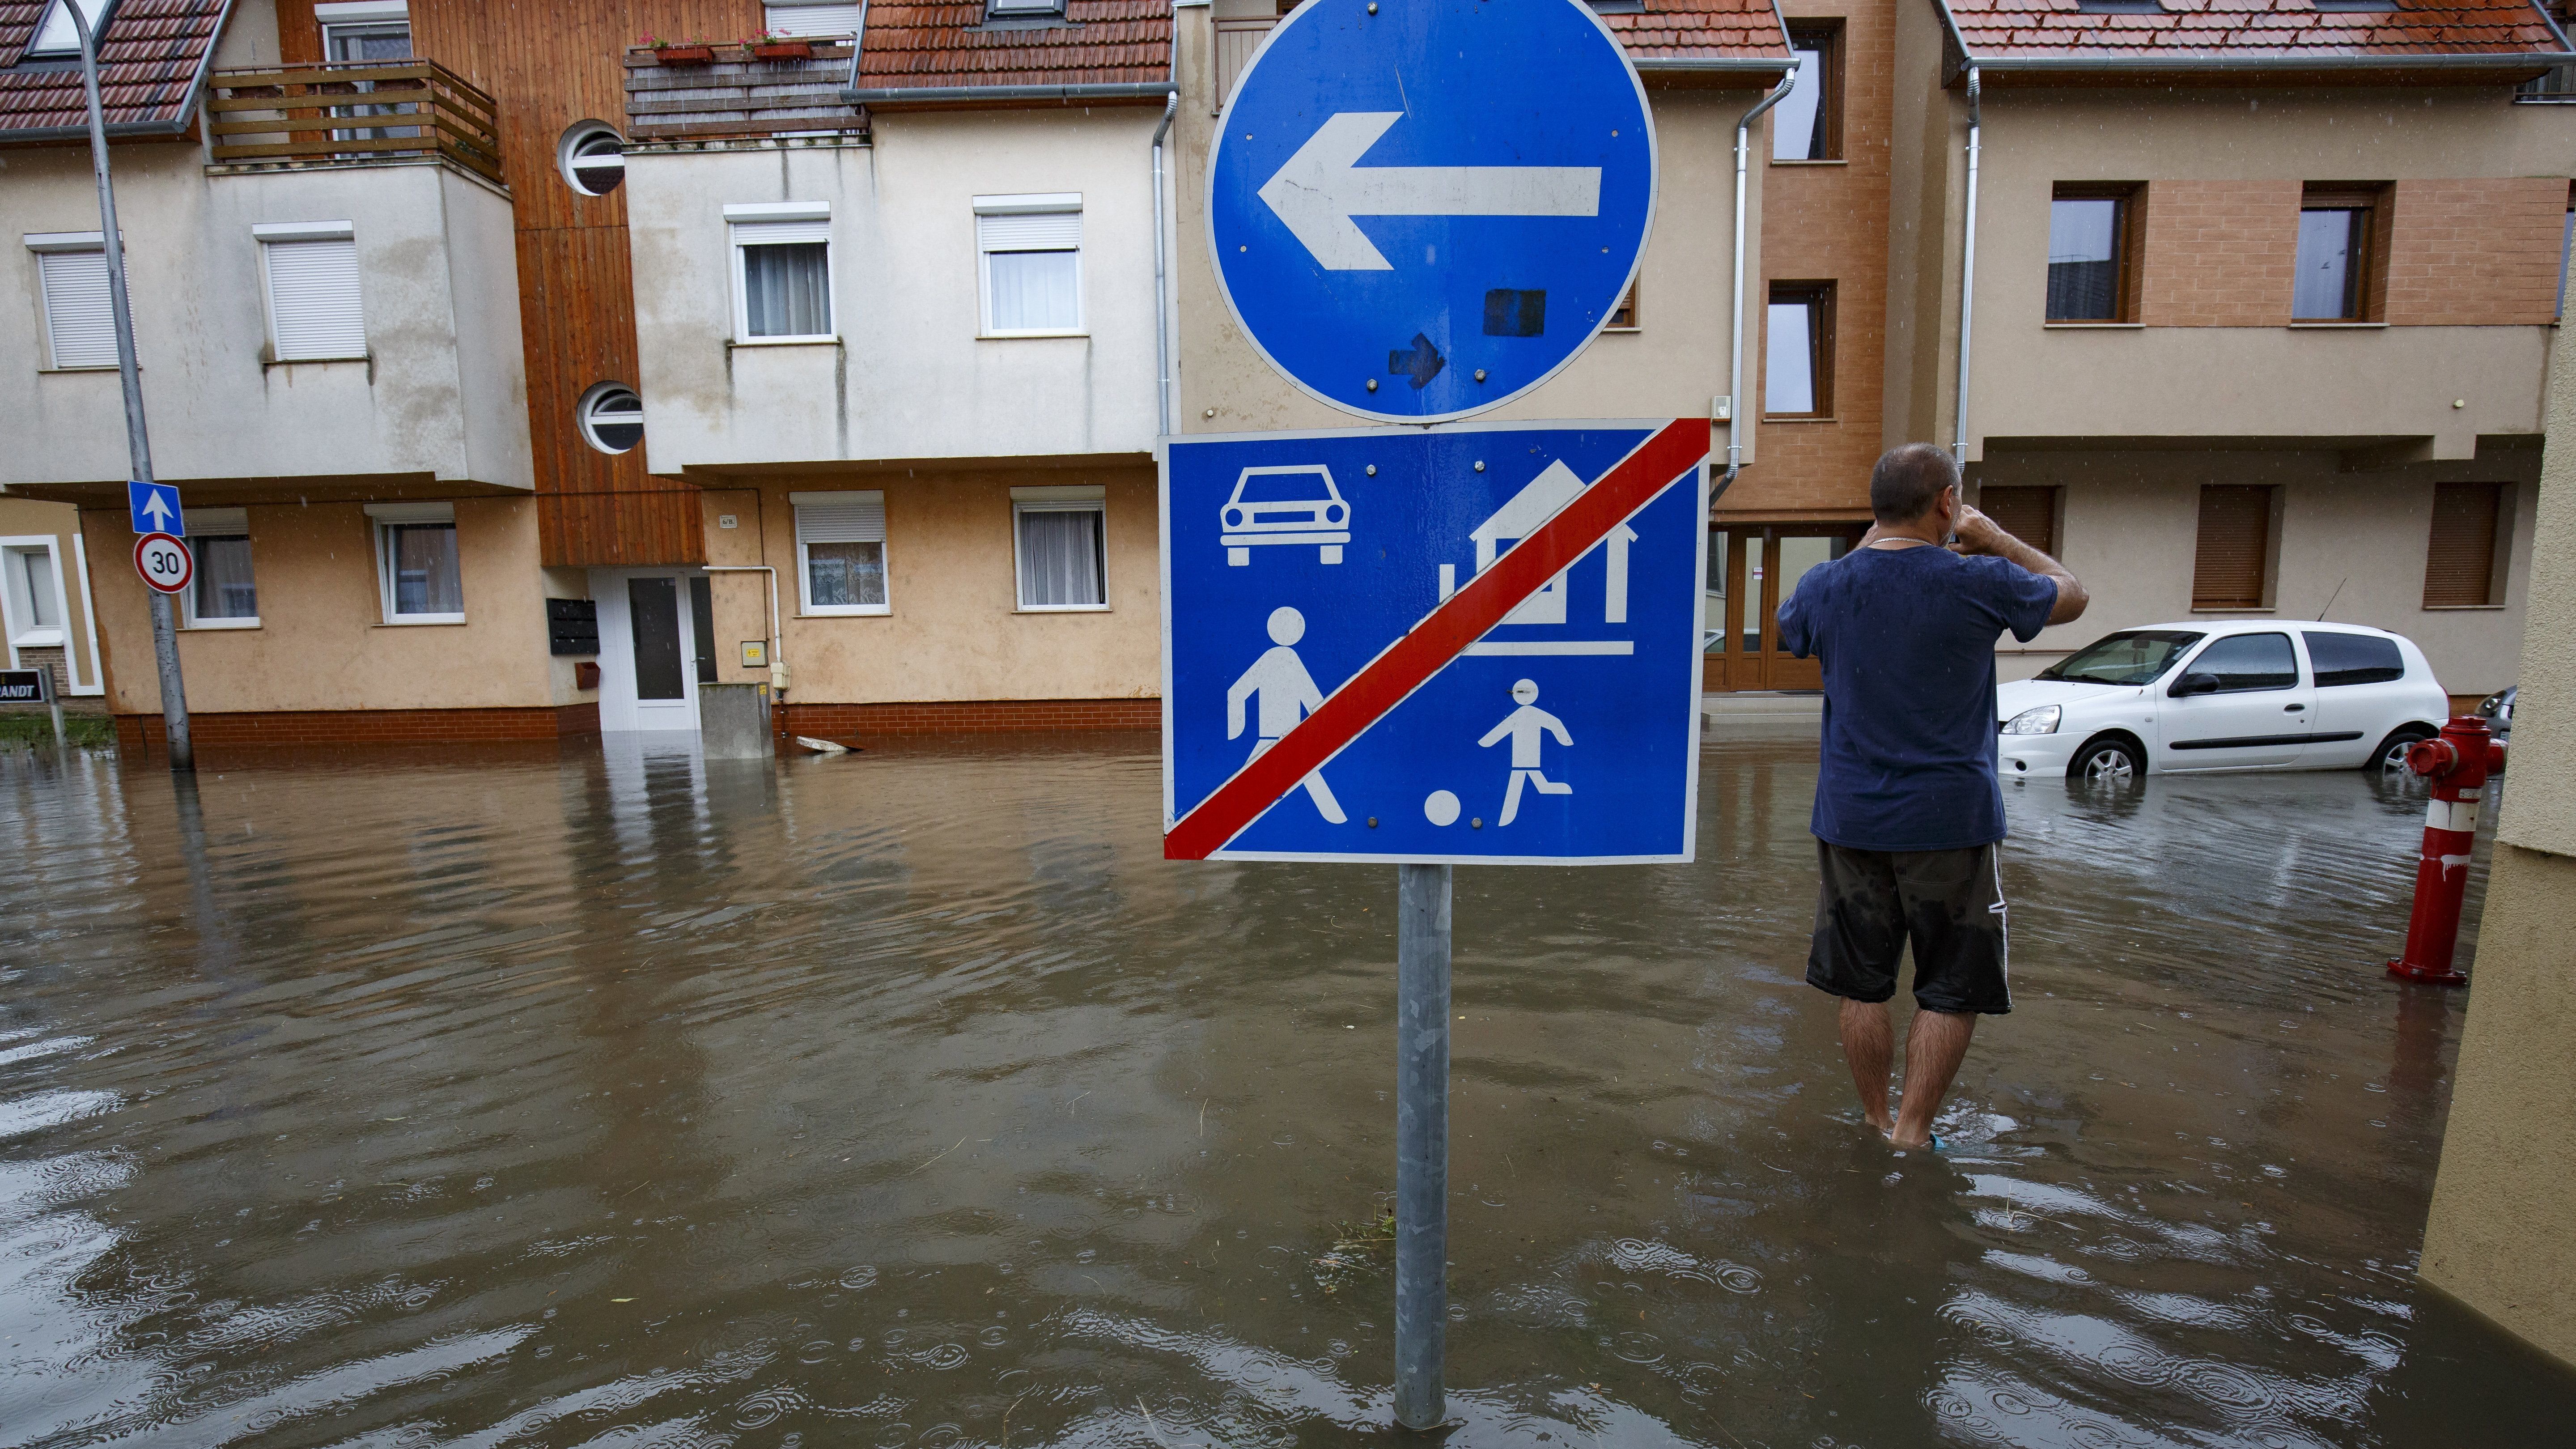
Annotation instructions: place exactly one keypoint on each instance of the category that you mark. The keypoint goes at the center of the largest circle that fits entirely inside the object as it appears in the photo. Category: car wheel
(2391, 754)
(2108, 761)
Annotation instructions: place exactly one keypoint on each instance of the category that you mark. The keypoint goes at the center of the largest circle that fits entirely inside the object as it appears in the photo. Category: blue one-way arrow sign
(1420, 209)
(155, 507)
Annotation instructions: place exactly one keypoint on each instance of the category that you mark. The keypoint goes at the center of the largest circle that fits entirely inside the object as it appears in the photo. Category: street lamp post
(138, 444)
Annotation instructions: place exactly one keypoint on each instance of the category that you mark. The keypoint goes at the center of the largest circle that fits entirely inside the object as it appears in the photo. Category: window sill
(2225, 609)
(269, 362)
(101, 367)
(43, 636)
(783, 342)
(2338, 326)
(1822, 161)
(217, 626)
(1019, 336)
(2466, 608)
(2095, 326)
(1061, 609)
(424, 621)
(854, 611)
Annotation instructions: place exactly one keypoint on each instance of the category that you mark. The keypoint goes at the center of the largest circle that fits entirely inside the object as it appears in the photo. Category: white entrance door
(654, 647)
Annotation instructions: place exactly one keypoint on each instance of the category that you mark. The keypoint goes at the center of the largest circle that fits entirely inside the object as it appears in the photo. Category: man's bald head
(1908, 480)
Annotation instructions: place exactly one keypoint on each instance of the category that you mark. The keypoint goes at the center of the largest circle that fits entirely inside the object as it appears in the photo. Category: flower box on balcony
(685, 54)
(783, 50)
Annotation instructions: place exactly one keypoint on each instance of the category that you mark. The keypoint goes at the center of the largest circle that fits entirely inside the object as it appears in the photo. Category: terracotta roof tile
(1702, 29)
(2286, 30)
(929, 43)
(150, 55)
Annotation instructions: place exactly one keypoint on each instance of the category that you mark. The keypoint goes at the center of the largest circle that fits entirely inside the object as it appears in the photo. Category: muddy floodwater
(911, 1098)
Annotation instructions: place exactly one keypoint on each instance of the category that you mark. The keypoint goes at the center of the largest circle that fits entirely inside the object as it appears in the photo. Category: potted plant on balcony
(678, 52)
(770, 45)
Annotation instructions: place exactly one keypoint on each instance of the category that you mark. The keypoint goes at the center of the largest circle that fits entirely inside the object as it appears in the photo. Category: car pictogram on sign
(1288, 504)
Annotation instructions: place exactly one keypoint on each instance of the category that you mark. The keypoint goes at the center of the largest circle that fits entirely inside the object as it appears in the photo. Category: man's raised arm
(1980, 534)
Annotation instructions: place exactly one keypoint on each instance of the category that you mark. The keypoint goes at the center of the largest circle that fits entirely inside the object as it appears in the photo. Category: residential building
(45, 617)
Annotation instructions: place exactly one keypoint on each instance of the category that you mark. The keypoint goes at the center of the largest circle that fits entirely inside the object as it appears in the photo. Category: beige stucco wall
(953, 631)
(322, 642)
(2351, 546)
(441, 399)
(25, 522)
(911, 377)
(1673, 367)
(2540, 809)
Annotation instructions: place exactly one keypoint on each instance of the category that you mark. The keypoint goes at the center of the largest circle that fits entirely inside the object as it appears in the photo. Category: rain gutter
(1738, 404)
(1162, 284)
(1967, 273)
(1071, 95)
(175, 127)
(1713, 64)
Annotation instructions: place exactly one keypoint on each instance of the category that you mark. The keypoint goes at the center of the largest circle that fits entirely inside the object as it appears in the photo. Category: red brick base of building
(365, 727)
(970, 716)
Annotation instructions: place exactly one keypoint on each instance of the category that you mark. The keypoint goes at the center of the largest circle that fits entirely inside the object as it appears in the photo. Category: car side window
(2249, 661)
(2353, 659)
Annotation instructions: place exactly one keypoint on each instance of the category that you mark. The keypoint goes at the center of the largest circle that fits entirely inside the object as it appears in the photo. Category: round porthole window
(612, 417)
(593, 158)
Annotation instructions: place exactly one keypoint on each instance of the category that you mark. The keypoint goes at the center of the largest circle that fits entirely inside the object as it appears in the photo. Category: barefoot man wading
(1908, 810)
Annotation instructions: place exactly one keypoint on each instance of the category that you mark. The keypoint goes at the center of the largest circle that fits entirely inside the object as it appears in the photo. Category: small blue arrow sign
(1421, 209)
(155, 507)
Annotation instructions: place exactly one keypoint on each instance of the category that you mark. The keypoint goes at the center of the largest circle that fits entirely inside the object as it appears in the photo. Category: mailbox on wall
(572, 626)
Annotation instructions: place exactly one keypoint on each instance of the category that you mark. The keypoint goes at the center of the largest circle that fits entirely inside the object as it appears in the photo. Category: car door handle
(2293, 708)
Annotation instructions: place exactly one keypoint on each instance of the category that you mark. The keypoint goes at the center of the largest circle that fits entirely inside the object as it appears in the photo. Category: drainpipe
(1736, 405)
(1162, 287)
(1967, 274)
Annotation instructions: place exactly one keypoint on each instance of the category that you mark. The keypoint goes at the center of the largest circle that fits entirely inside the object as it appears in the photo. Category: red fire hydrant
(2458, 763)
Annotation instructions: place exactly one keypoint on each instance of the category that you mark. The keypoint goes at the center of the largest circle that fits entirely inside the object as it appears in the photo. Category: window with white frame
(55, 37)
(31, 593)
(841, 551)
(416, 563)
(1060, 547)
(222, 594)
(782, 271)
(811, 19)
(80, 325)
(309, 274)
(1029, 256)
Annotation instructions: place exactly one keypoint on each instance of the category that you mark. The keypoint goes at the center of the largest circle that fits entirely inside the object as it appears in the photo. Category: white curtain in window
(1032, 270)
(223, 586)
(35, 581)
(77, 313)
(313, 310)
(423, 556)
(1789, 360)
(1060, 557)
(786, 278)
(842, 536)
(2324, 285)
(829, 18)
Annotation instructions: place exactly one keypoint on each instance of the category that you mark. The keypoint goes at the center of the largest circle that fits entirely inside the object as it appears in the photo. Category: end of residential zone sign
(1470, 645)
(1421, 209)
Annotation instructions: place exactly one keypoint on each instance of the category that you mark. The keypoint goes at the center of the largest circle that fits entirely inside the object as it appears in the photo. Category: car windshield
(1285, 488)
(2135, 657)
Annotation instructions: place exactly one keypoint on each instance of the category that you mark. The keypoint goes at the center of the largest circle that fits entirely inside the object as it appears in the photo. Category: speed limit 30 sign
(164, 562)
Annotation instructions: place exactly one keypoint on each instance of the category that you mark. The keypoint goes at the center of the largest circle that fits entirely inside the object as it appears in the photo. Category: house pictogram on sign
(1518, 518)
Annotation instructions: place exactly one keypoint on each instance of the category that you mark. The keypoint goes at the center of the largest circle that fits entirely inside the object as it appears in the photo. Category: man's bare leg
(1934, 1046)
(1869, 1044)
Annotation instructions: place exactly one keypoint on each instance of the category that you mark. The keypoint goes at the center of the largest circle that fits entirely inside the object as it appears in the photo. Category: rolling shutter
(2028, 514)
(1030, 232)
(2235, 544)
(844, 517)
(313, 309)
(2460, 563)
(830, 18)
(77, 313)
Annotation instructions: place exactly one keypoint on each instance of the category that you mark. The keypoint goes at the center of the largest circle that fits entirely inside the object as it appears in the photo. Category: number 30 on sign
(164, 562)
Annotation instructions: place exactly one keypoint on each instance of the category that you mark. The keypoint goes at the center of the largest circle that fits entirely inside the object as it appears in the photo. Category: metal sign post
(1421, 1142)
(165, 619)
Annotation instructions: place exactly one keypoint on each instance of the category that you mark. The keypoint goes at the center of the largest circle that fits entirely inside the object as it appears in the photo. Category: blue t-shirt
(1908, 641)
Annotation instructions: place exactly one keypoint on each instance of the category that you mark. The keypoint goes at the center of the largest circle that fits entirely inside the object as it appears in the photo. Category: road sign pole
(1421, 1142)
(138, 445)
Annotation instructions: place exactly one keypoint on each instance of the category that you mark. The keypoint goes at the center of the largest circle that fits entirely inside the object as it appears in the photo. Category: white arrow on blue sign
(1421, 209)
(1466, 645)
(155, 507)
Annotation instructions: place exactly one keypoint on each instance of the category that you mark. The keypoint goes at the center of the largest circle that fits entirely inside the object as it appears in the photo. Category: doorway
(656, 646)
(1751, 568)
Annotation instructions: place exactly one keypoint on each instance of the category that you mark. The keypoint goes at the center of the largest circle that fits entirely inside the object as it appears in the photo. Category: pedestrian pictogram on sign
(1392, 695)
(164, 562)
(1421, 209)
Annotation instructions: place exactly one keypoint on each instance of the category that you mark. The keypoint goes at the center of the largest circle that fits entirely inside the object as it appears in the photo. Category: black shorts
(1948, 903)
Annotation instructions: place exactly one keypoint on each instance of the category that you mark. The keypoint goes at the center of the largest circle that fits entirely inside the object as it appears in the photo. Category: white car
(2244, 694)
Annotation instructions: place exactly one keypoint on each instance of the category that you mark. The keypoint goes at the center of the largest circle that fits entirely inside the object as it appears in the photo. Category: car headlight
(2039, 721)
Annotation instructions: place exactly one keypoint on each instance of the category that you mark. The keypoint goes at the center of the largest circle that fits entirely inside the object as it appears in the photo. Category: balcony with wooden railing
(347, 113)
(730, 92)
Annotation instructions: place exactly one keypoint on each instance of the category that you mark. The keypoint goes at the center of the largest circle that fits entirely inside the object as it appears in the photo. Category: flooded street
(912, 1098)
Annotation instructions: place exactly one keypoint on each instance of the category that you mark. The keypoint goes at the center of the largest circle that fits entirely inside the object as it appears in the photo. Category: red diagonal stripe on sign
(1442, 635)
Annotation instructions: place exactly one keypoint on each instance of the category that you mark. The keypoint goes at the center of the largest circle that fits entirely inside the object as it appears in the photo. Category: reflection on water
(911, 1098)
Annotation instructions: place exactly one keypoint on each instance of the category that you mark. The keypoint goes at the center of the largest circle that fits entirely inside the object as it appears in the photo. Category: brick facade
(2219, 253)
(2477, 252)
(972, 716)
(365, 727)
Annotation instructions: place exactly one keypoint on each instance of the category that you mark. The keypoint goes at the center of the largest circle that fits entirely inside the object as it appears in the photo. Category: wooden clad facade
(546, 70)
